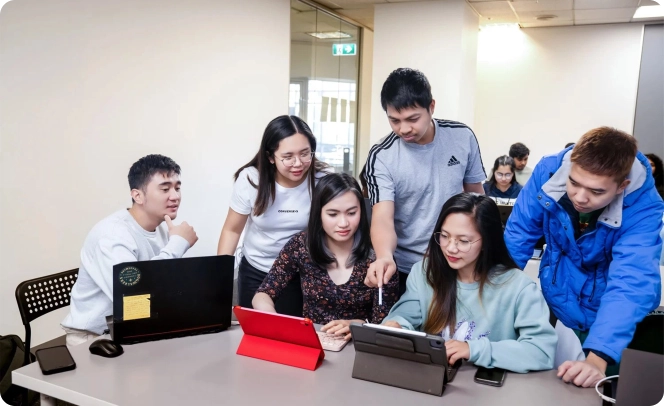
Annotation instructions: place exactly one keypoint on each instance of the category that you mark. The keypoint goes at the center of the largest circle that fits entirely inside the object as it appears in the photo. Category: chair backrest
(39, 296)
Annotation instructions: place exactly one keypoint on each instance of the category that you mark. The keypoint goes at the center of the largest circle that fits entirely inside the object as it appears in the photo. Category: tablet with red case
(279, 338)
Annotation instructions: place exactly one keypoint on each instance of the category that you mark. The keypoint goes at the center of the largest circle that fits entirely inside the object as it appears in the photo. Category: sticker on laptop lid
(129, 276)
(136, 307)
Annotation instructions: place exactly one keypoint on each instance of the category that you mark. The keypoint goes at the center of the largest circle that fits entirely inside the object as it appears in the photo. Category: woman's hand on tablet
(456, 350)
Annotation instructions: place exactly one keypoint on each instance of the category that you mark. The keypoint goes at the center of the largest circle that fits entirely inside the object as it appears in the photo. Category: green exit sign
(344, 49)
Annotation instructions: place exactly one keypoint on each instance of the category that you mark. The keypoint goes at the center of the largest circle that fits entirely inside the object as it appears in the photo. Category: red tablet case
(279, 338)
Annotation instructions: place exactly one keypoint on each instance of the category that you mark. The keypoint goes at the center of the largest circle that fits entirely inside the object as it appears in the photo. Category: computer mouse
(106, 348)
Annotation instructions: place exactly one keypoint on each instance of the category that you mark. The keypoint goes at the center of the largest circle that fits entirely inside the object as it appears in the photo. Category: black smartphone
(493, 376)
(55, 359)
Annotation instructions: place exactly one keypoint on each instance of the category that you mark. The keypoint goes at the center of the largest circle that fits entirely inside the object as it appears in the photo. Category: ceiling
(306, 19)
(523, 12)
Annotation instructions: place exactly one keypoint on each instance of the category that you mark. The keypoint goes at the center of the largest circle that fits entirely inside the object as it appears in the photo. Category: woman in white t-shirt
(271, 198)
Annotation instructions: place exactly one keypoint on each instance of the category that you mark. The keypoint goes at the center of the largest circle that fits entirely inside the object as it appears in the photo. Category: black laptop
(155, 300)
(505, 212)
(641, 380)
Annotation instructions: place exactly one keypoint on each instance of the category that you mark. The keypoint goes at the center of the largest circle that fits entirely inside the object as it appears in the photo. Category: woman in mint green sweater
(468, 290)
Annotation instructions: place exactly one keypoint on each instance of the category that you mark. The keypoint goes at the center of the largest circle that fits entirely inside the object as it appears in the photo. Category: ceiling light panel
(330, 34)
(649, 12)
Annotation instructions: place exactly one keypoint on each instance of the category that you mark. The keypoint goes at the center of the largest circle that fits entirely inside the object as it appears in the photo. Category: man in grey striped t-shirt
(412, 172)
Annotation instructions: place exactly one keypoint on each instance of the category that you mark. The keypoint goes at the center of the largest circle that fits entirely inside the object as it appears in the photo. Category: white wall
(546, 87)
(440, 39)
(88, 87)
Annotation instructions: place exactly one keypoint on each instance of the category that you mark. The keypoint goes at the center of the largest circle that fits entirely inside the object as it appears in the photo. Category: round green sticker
(129, 276)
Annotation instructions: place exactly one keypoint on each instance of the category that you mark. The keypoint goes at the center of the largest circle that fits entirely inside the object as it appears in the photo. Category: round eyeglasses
(444, 240)
(503, 175)
(305, 158)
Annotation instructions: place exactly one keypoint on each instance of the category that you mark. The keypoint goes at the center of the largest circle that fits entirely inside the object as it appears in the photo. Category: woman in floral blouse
(332, 257)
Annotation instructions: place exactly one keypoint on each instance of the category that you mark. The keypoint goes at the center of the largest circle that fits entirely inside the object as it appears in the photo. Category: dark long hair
(659, 170)
(278, 129)
(500, 161)
(493, 259)
(328, 188)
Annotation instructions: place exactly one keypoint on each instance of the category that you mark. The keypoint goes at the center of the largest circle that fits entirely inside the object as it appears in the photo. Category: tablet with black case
(401, 358)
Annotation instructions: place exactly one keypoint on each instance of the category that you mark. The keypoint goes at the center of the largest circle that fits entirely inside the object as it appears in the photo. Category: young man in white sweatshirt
(143, 232)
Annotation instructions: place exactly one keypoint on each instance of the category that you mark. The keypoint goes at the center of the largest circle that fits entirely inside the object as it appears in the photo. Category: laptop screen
(173, 295)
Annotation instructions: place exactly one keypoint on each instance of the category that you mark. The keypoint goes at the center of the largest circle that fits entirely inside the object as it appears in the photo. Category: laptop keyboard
(330, 342)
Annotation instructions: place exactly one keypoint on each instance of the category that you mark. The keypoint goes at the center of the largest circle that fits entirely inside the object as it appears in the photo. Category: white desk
(204, 370)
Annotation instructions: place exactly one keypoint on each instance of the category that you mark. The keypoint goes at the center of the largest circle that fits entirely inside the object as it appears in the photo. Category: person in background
(600, 214)
(141, 233)
(502, 183)
(520, 154)
(331, 257)
(468, 290)
(412, 172)
(657, 172)
(270, 202)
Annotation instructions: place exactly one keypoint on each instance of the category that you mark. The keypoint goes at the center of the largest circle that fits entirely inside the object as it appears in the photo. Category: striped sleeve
(475, 168)
(379, 180)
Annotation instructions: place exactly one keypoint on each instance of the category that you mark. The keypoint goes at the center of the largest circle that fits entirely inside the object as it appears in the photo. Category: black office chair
(39, 296)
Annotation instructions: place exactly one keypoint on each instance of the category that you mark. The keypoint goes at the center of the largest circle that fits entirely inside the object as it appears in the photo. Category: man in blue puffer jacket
(600, 214)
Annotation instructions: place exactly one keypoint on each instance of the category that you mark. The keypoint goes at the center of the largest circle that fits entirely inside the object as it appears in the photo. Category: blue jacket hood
(606, 280)
(640, 177)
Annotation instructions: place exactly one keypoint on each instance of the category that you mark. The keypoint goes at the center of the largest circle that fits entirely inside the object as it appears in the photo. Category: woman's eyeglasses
(444, 240)
(305, 158)
(499, 175)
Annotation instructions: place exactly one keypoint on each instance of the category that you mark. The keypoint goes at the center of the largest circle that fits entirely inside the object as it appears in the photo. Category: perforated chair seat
(39, 296)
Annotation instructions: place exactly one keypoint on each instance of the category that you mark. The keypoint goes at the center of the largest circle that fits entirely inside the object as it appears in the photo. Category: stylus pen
(380, 296)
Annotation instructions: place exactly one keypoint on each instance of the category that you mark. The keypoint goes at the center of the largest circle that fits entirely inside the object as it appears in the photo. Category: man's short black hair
(519, 151)
(145, 168)
(406, 88)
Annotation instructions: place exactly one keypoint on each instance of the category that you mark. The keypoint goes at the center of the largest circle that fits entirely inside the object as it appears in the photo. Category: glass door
(325, 59)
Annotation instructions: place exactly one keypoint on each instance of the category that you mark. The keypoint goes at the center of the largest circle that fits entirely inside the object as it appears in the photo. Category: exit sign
(344, 49)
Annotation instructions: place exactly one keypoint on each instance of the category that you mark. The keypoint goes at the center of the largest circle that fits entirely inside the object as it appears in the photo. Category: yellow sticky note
(136, 307)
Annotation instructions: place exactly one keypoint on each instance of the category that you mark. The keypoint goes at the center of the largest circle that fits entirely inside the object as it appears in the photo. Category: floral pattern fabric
(324, 300)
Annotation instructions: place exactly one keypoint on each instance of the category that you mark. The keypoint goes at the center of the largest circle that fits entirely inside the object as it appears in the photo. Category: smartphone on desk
(490, 376)
(55, 359)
